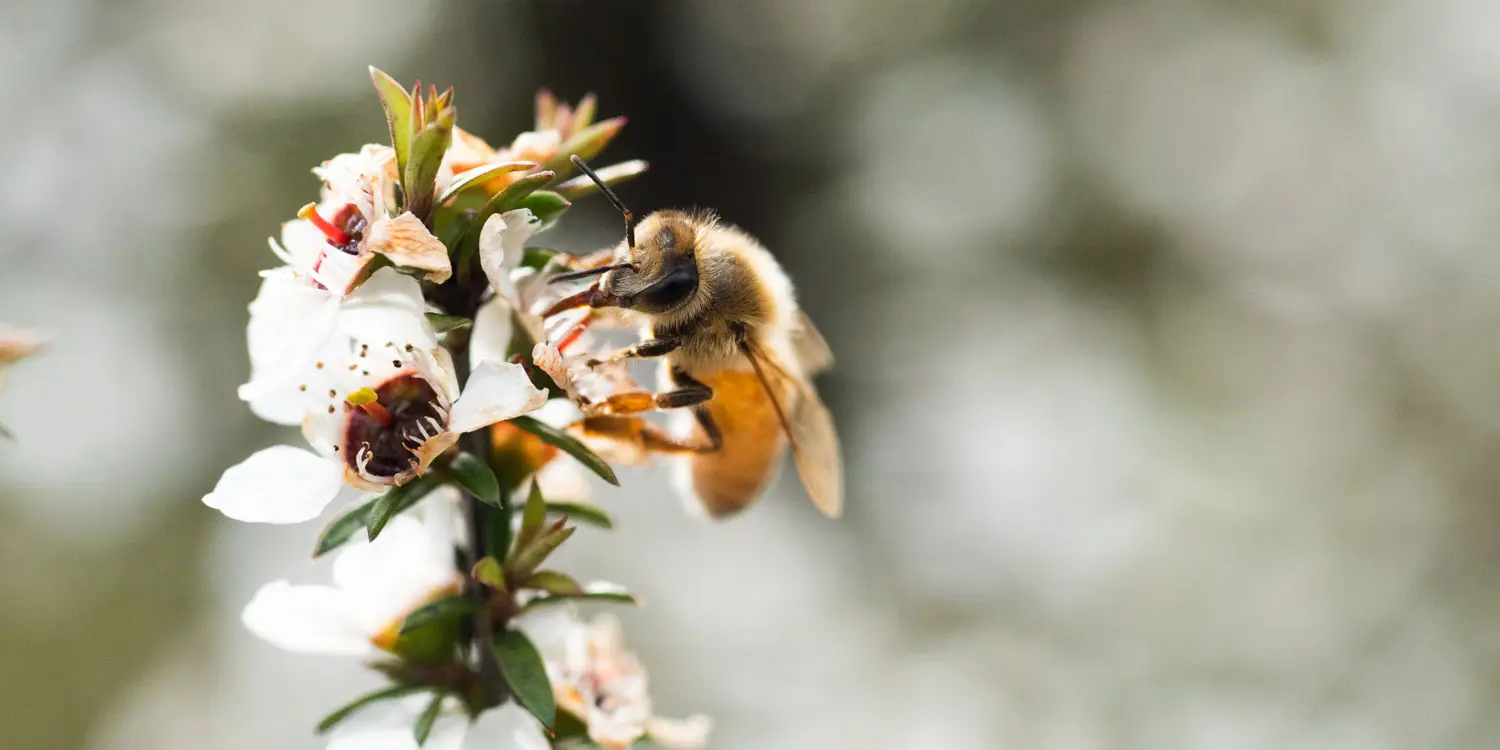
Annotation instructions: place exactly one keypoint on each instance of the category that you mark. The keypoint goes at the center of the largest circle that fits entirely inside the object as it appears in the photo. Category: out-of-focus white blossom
(15, 345)
(595, 679)
(375, 585)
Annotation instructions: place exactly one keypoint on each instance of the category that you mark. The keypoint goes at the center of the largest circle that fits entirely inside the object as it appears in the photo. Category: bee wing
(809, 429)
(810, 346)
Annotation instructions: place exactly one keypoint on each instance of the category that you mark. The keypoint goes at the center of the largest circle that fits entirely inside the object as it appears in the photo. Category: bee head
(660, 273)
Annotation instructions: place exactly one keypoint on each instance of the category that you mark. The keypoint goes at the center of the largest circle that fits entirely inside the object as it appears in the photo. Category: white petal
(400, 570)
(290, 323)
(280, 484)
(564, 481)
(407, 243)
(550, 629)
(496, 391)
(306, 620)
(502, 242)
(387, 725)
(387, 307)
(509, 727)
(490, 338)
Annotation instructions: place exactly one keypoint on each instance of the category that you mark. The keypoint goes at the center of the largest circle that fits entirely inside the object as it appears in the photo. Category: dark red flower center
(381, 436)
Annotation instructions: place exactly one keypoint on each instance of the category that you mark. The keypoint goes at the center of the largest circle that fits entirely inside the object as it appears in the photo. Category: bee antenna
(614, 199)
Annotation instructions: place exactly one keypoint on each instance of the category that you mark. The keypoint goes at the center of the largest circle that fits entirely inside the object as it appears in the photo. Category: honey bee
(737, 352)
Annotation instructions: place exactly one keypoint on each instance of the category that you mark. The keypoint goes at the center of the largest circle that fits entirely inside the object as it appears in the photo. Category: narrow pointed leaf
(530, 557)
(594, 591)
(583, 114)
(478, 176)
(583, 513)
(423, 728)
(586, 144)
(532, 518)
(420, 174)
(397, 104)
(447, 323)
(569, 445)
(526, 675)
(614, 174)
(398, 499)
(476, 477)
(488, 572)
(446, 608)
(343, 529)
(396, 691)
(553, 582)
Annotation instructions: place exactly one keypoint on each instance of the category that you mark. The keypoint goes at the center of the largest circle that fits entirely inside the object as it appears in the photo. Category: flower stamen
(336, 236)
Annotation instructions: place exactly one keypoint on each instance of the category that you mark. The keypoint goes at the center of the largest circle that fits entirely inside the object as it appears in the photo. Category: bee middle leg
(689, 392)
(652, 438)
(642, 350)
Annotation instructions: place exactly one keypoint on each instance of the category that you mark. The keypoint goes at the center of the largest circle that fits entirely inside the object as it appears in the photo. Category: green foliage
(475, 476)
(526, 675)
(569, 445)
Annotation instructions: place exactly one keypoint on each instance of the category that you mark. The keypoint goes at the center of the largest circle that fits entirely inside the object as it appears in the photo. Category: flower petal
(502, 243)
(387, 307)
(306, 620)
(680, 734)
(280, 484)
(496, 391)
(398, 571)
(407, 243)
(508, 726)
(290, 323)
(490, 338)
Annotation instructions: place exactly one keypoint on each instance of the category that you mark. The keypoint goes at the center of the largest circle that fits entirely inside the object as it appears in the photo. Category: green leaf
(427, 149)
(342, 529)
(526, 675)
(595, 591)
(446, 608)
(586, 144)
(475, 476)
(537, 257)
(569, 445)
(532, 518)
(397, 104)
(396, 691)
(478, 176)
(554, 582)
(488, 572)
(547, 206)
(398, 499)
(447, 323)
(530, 557)
(582, 512)
(423, 728)
(614, 174)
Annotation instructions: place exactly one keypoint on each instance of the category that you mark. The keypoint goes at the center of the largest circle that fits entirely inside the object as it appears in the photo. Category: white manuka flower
(387, 725)
(334, 243)
(378, 403)
(594, 678)
(375, 585)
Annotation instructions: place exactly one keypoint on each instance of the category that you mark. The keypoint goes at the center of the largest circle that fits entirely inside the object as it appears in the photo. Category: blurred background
(1167, 373)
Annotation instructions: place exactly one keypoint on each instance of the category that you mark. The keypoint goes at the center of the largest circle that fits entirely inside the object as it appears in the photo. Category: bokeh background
(1168, 371)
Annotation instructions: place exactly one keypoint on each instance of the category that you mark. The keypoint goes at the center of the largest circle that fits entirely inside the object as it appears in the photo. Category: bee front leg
(643, 350)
